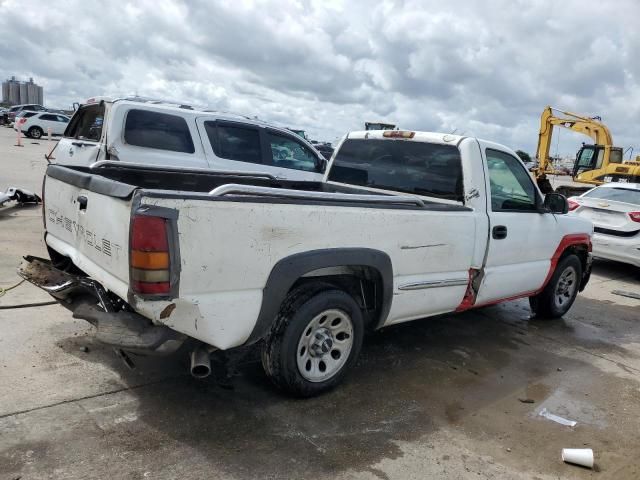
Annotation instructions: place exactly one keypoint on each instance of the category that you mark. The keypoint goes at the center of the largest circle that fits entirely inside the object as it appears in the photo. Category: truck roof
(183, 108)
(431, 137)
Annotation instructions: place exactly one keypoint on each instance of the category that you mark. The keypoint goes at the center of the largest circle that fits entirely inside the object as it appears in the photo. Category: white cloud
(483, 68)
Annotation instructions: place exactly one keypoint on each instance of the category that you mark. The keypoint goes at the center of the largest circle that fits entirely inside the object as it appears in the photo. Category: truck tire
(559, 294)
(316, 338)
(35, 132)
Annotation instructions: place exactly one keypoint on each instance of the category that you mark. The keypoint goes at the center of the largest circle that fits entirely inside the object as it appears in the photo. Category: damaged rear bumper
(115, 324)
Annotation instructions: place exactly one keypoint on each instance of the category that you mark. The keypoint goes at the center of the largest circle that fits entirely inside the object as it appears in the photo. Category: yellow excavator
(594, 165)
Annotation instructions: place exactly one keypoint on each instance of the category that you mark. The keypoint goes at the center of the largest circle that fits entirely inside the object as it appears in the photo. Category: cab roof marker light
(398, 134)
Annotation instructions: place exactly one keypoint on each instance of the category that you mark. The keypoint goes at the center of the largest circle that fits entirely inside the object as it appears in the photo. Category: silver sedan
(614, 209)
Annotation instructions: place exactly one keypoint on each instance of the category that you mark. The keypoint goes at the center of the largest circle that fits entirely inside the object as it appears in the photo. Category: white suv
(153, 132)
(37, 124)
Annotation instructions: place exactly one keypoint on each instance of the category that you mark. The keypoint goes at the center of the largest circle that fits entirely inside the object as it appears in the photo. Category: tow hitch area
(115, 323)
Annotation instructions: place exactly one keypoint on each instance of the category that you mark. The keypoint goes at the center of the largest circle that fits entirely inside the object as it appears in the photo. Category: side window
(86, 124)
(289, 153)
(144, 128)
(50, 118)
(511, 186)
(235, 142)
(62, 119)
(600, 158)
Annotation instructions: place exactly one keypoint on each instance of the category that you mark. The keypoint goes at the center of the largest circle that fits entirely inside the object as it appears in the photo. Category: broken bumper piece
(88, 300)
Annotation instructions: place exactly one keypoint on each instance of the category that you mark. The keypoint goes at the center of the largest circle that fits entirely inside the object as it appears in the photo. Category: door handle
(499, 232)
(81, 144)
(82, 202)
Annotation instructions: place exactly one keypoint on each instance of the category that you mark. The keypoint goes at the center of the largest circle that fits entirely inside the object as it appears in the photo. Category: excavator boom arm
(552, 117)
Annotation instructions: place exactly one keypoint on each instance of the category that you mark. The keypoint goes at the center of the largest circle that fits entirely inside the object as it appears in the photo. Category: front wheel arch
(544, 304)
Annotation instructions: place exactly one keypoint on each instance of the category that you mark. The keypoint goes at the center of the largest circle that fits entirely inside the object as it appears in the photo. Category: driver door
(521, 239)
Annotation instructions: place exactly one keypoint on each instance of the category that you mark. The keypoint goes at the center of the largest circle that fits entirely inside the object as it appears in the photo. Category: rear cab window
(419, 168)
(86, 124)
(161, 131)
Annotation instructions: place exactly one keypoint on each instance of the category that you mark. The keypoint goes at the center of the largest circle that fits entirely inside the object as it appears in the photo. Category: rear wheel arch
(342, 268)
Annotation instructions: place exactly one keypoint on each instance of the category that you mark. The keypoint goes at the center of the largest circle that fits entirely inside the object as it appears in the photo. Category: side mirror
(321, 165)
(556, 203)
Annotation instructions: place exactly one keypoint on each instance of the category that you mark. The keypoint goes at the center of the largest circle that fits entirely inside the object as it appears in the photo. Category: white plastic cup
(578, 456)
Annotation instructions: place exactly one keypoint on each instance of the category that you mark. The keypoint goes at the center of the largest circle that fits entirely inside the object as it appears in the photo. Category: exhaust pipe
(200, 363)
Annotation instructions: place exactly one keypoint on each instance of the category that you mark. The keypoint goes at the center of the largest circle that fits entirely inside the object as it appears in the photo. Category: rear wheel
(316, 338)
(558, 296)
(35, 132)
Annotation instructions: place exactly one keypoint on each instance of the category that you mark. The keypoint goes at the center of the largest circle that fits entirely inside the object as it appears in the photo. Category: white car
(614, 209)
(154, 132)
(39, 124)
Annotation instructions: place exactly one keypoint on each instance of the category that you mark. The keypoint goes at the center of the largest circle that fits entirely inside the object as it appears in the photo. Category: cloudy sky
(483, 68)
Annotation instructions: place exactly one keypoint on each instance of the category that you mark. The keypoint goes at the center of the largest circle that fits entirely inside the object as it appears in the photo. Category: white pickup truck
(406, 225)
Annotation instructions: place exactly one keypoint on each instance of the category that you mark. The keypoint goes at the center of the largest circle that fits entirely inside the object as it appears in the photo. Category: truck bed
(232, 230)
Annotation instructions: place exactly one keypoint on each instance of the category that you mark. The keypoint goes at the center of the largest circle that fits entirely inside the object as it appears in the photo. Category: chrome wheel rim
(566, 287)
(325, 345)
(36, 134)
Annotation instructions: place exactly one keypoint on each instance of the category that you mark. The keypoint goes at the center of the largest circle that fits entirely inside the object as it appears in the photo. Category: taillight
(149, 255)
(572, 205)
(635, 216)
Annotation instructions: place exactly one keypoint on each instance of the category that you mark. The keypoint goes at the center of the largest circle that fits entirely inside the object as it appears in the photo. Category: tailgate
(89, 226)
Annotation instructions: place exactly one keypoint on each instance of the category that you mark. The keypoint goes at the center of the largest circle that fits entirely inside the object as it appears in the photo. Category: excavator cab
(589, 157)
(595, 157)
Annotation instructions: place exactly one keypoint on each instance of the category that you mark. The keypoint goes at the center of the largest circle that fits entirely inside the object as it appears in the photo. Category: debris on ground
(527, 400)
(578, 456)
(20, 195)
(556, 418)
(84, 349)
(622, 293)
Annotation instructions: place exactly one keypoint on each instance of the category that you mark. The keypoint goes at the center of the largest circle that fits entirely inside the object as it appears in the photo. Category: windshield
(402, 166)
(584, 156)
(625, 195)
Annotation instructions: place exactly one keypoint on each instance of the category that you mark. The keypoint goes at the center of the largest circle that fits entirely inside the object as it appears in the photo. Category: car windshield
(616, 194)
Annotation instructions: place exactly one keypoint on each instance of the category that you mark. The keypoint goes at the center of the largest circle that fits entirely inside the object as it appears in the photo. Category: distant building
(15, 92)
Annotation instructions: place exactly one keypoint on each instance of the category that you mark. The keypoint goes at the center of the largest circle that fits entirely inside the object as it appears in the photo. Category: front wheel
(316, 338)
(558, 296)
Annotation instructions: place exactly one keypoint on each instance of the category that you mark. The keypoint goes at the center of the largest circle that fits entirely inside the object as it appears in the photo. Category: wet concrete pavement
(438, 398)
